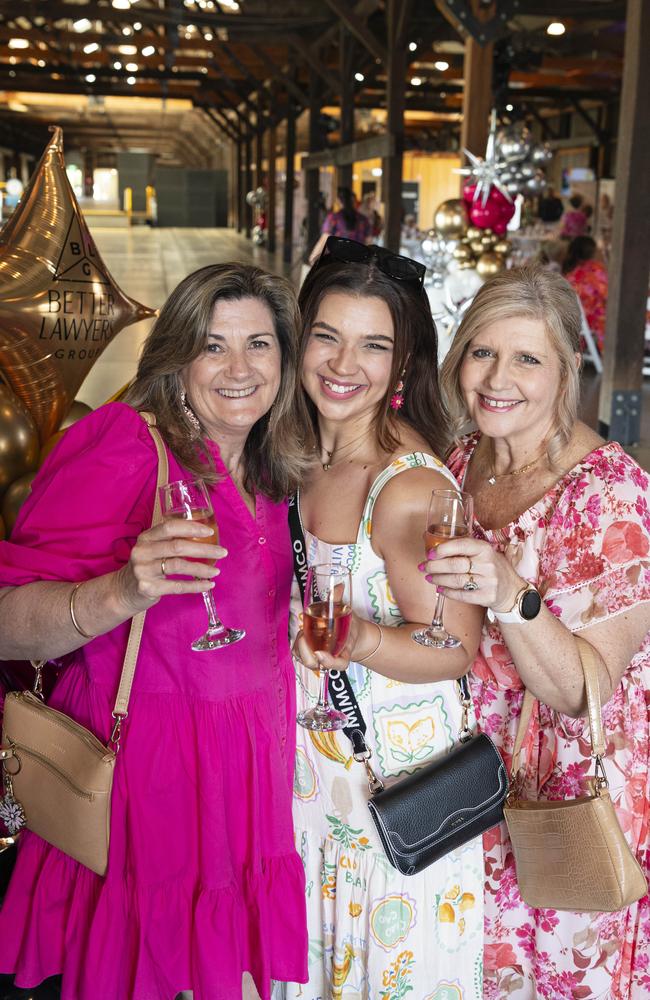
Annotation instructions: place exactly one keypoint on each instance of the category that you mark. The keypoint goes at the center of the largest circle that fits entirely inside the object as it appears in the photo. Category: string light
(441, 65)
(555, 28)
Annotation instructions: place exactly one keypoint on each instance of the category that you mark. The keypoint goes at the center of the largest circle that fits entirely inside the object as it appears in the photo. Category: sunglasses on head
(393, 265)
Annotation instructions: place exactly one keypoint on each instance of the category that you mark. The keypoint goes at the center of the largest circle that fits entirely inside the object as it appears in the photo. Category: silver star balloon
(487, 172)
(449, 313)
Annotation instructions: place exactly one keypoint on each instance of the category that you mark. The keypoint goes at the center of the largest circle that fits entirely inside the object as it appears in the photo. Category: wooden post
(477, 96)
(287, 242)
(241, 204)
(345, 171)
(391, 184)
(271, 180)
(248, 185)
(619, 409)
(259, 141)
(312, 176)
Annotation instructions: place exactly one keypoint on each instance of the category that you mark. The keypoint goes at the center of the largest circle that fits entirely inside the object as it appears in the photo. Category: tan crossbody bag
(57, 775)
(572, 854)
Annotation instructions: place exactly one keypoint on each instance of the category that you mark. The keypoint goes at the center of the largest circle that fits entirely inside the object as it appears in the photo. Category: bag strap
(592, 688)
(121, 709)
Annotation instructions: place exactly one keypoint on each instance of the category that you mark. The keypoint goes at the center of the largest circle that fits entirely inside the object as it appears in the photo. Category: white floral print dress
(375, 934)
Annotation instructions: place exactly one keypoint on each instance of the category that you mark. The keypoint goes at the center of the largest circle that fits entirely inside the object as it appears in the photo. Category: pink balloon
(495, 214)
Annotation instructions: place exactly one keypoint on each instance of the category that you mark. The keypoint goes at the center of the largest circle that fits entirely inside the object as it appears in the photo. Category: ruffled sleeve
(596, 559)
(90, 500)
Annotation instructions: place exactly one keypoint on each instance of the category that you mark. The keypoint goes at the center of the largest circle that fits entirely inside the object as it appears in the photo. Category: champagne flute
(189, 500)
(449, 516)
(327, 615)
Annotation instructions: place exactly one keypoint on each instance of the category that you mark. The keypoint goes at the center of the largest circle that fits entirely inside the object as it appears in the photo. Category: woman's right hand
(162, 554)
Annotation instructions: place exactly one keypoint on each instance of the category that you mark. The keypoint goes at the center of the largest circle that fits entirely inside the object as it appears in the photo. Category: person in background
(204, 885)
(574, 222)
(561, 546)
(551, 254)
(346, 221)
(585, 271)
(550, 207)
(377, 427)
(368, 208)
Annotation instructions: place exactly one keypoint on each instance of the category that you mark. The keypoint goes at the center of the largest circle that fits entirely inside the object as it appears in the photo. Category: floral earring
(397, 399)
(189, 413)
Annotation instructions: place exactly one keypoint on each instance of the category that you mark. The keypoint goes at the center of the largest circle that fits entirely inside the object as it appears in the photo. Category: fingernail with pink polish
(431, 554)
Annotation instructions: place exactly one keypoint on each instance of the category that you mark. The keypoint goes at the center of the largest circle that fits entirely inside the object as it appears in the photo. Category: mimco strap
(340, 688)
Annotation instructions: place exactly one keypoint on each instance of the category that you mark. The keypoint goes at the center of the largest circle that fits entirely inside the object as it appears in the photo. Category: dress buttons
(262, 540)
(271, 592)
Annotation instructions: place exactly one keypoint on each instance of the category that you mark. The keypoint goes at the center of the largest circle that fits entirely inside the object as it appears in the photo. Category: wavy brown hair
(538, 293)
(273, 454)
(415, 351)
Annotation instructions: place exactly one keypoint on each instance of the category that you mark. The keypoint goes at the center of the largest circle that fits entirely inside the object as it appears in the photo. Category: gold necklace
(346, 451)
(515, 472)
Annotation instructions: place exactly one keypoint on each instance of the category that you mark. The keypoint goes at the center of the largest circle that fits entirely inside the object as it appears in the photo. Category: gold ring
(163, 568)
(471, 583)
(469, 568)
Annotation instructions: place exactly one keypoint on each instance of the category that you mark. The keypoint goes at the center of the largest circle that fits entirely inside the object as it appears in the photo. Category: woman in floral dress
(564, 516)
(587, 274)
(373, 933)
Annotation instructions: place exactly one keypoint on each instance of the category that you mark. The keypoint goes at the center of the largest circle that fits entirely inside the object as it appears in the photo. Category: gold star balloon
(59, 305)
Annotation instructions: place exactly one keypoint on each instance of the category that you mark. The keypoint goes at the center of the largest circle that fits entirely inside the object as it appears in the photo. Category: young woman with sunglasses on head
(369, 371)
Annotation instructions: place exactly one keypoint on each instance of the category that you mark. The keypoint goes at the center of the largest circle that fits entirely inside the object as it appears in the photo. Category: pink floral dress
(586, 546)
(589, 279)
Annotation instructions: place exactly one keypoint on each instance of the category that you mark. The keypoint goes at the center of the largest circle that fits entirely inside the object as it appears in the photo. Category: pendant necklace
(346, 451)
(515, 472)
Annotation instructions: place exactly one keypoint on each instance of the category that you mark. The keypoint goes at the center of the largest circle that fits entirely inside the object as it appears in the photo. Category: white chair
(592, 353)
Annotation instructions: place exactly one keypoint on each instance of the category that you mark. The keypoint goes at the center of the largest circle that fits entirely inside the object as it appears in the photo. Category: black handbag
(443, 804)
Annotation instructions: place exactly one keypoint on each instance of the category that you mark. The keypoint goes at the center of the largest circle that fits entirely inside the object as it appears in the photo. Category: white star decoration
(486, 173)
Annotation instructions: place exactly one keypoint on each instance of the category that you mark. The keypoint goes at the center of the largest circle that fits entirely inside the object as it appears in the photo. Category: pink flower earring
(397, 399)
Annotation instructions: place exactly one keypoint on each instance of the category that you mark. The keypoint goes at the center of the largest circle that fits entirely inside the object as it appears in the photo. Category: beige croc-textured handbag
(57, 775)
(572, 854)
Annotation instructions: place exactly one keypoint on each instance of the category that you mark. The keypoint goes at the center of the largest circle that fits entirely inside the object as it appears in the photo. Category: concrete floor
(148, 263)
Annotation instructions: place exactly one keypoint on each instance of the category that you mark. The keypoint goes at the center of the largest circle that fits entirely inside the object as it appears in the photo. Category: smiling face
(510, 379)
(349, 355)
(234, 382)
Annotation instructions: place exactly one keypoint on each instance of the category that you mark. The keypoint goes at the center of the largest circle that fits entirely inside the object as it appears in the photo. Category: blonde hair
(273, 454)
(536, 293)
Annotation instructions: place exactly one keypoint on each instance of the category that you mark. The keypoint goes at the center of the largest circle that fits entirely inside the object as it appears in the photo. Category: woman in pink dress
(203, 883)
(346, 222)
(561, 545)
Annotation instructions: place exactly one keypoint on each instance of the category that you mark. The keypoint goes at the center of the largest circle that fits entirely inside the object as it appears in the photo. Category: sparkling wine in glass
(189, 500)
(327, 615)
(449, 516)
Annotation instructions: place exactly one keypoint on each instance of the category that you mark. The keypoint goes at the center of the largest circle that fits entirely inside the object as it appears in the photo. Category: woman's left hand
(454, 564)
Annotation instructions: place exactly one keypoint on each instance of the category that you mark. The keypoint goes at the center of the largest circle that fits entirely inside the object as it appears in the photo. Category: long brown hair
(415, 352)
(273, 456)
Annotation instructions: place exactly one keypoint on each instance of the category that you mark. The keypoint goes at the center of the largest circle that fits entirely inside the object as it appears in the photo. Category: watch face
(530, 604)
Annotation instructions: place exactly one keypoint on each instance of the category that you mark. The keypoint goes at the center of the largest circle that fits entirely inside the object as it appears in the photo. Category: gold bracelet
(362, 659)
(73, 617)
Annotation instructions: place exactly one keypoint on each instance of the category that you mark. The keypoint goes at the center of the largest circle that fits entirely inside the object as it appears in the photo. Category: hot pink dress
(586, 547)
(203, 881)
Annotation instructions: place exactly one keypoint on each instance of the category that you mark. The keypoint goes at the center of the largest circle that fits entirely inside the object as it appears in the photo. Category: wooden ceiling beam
(359, 28)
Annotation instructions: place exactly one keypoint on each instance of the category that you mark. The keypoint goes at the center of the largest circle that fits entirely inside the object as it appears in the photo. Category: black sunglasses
(393, 265)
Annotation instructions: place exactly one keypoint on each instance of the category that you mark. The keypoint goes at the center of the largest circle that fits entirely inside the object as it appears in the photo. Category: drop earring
(190, 414)
(397, 399)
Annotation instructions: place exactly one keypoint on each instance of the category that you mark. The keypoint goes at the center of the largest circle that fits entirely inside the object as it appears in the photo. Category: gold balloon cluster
(483, 250)
(59, 310)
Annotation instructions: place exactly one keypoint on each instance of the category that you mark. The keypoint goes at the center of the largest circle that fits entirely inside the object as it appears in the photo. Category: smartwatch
(526, 607)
